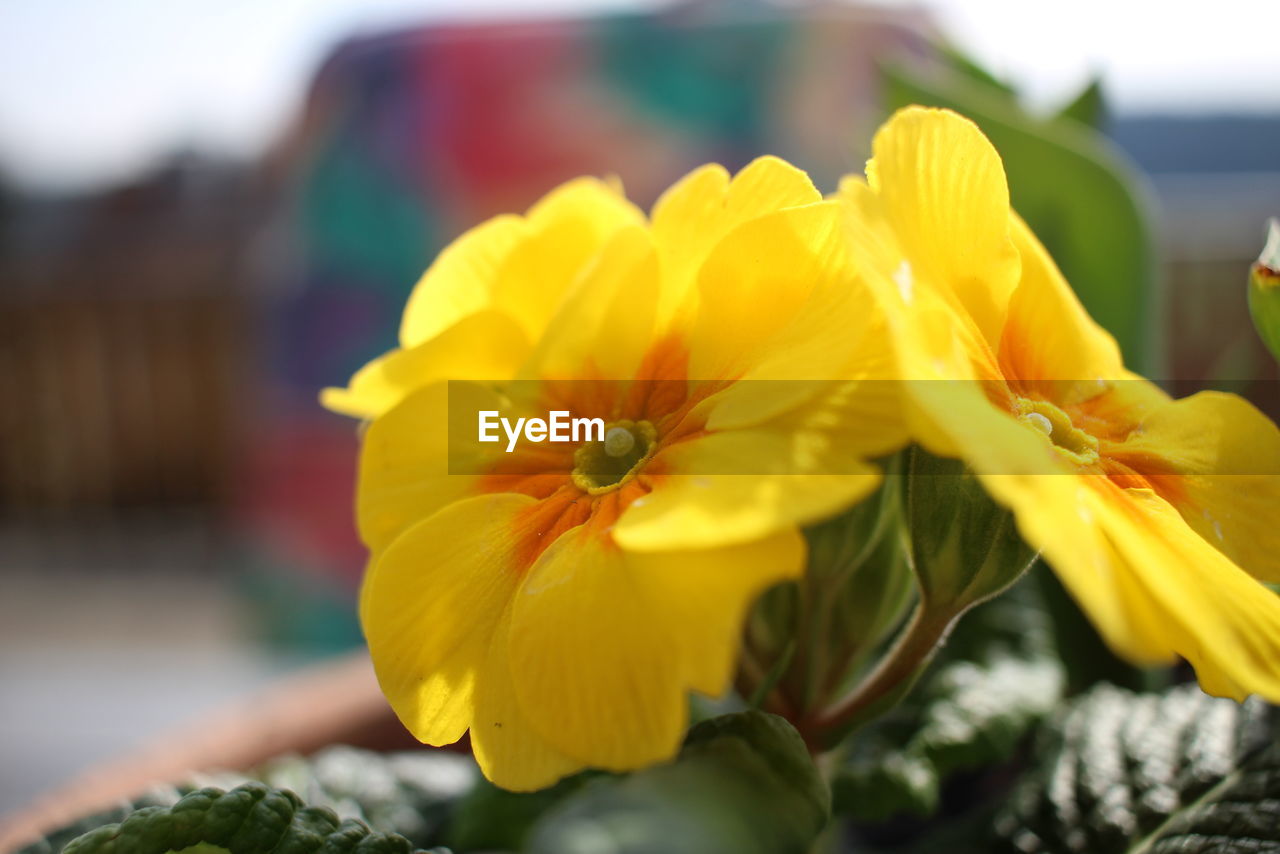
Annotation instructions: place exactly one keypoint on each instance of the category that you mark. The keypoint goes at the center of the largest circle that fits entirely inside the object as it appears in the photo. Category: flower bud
(856, 589)
(1264, 290)
(965, 548)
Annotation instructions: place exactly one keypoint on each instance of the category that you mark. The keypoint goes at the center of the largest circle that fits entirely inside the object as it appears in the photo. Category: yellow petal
(460, 281)
(1228, 456)
(1058, 515)
(744, 485)
(508, 750)
(406, 456)
(958, 418)
(1198, 604)
(566, 230)
(486, 345)
(691, 217)
(517, 265)
(605, 324)
(1048, 336)
(944, 194)
(944, 363)
(757, 285)
(594, 673)
(431, 602)
(873, 244)
(1152, 586)
(701, 599)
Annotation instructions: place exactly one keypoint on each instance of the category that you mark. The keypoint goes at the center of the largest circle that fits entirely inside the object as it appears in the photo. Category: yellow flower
(561, 601)
(1158, 514)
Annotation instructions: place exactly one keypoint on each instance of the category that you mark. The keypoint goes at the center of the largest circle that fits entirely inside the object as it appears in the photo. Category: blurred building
(122, 329)
(1217, 180)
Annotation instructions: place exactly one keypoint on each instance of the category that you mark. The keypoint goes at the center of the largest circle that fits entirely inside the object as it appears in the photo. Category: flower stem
(892, 678)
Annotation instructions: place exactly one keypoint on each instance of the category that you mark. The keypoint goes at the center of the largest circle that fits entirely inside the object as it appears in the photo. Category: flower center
(1069, 440)
(600, 467)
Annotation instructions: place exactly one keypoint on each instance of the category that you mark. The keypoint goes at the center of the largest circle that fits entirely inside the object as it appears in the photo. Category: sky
(93, 91)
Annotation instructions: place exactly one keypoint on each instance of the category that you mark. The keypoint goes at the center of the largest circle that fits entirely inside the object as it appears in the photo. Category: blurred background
(210, 210)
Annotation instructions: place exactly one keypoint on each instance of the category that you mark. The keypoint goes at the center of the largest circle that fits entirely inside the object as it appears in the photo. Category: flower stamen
(619, 441)
(1055, 425)
(600, 467)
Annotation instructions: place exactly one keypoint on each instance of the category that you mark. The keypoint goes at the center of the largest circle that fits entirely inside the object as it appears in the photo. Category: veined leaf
(249, 819)
(1173, 773)
(412, 794)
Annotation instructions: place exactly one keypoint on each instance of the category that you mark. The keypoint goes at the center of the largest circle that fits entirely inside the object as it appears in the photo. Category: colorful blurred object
(411, 137)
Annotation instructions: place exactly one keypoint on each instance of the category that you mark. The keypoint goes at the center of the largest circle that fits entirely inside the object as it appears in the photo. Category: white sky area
(92, 90)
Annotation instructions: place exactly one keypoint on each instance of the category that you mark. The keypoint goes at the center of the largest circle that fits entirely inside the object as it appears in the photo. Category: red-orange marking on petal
(540, 525)
(660, 393)
(1148, 473)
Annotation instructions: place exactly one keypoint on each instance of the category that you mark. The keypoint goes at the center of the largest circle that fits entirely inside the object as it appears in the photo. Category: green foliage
(808, 636)
(250, 819)
(1150, 774)
(996, 679)
(1075, 189)
(491, 819)
(965, 548)
(411, 794)
(743, 783)
(1088, 107)
(56, 840)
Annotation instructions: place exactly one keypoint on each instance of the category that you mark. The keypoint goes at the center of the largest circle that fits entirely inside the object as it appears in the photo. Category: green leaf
(430, 797)
(965, 548)
(806, 638)
(490, 819)
(997, 677)
(1127, 773)
(1088, 107)
(743, 783)
(958, 62)
(411, 793)
(1078, 192)
(250, 819)
(56, 840)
